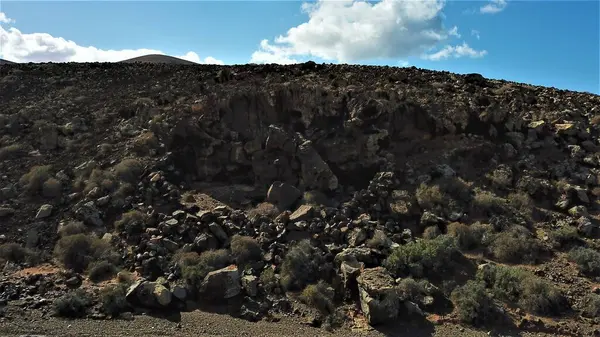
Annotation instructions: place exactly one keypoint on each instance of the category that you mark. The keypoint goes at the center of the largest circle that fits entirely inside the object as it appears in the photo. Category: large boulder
(283, 195)
(221, 284)
(379, 299)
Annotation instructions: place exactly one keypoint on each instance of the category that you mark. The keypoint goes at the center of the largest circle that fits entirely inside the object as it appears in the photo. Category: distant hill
(157, 58)
(6, 62)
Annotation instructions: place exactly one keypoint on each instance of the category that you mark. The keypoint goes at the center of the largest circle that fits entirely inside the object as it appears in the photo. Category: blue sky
(552, 43)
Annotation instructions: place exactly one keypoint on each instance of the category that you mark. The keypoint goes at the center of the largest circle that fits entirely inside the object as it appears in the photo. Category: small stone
(44, 211)
(303, 213)
(250, 285)
(6, 211)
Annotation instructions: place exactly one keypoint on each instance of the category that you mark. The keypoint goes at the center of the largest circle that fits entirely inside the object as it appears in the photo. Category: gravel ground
(203, 324)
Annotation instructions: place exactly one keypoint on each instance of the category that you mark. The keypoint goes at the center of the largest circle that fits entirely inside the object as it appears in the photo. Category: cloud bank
(17, 46)
(353, 31)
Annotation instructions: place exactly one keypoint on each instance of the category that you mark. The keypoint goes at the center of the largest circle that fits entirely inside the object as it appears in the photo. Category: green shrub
(245, 249)
(34, 180)
(431, 232)
(101, 271)
(72, 228)
(12, 151)
(422, 257)
(194, 267)
(516, 244)
(268, 280)
(411, 290)
(78, 251)
(132, 222)
(587, 259)
(540, 297)
(300, 266)
(319, 296)
(16, 253)
(129, 170)
(564, 235)
(113, 299)
(473, 304)
(591, 306)
(73, 304)
(96, 178)
(515, 285)
(487, 203)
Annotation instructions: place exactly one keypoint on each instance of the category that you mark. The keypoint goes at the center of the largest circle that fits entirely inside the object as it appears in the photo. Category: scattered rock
(44, 211)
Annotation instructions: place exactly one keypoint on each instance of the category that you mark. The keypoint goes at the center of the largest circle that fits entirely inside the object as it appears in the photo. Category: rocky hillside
(352, 196)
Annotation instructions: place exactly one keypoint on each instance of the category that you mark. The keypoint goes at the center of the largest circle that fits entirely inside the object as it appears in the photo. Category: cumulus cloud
(493, 7)
(5, 19)
(457, 51)
(42, 47)
(353, 30)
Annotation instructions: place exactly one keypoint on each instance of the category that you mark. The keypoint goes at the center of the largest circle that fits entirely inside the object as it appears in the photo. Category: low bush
(245, 249)
(587, 259)
(431, 232)
(195, 267)
(12, 151)
(564, 235)
(517, 244)
(300, 266)
(473, 304)
(113, 299)
(319, 296)
(33, 181)
(591, 306)
(52, 188)
(268, 280)
(101, 271)
(72, 305)
(72, 228)
(515, 285)
(422, 257)
(16, 253)
(129, 170)
(132, 222)
(78, 251)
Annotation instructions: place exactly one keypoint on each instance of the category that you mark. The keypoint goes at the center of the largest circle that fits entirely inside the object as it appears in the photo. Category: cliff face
(168, 159)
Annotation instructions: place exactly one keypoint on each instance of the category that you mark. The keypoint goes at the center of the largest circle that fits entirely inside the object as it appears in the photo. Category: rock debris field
(349, 198)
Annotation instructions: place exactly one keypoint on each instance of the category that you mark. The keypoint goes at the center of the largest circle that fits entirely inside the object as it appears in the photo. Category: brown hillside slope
(157, 58)
(319, 190)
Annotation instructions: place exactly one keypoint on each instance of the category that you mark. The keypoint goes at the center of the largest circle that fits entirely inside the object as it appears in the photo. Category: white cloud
(355, 30)
(493, 7)
(455, 51)
(476, 34)
(454, 32)
(42, 47)
(271, 54)
(5, 19)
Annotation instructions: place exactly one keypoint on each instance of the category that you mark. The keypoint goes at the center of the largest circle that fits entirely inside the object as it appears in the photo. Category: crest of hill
(157, 58)
(6, 62)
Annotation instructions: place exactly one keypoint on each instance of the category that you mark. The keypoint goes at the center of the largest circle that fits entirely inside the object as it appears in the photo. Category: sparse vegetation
(300, 266)
(517, 244)
(128, 170)
(11, 152)
(73, 304)
(264, 209)
(132, 222)
(145, 142)
(16, 253)
(591, 305)
(515, 285)
(320, 297)
(473, 303)
(194, 267)
(34, 180)
(470, 237)
(78, 251)
(587, 259)
(564, 235)
(422, 257)
(431, 232)
(113, 299)
(52, 188)
(245, 249)
(268, 280)
(101, 271)
(72, 228)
